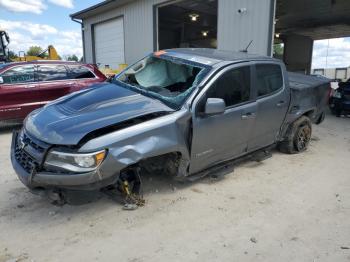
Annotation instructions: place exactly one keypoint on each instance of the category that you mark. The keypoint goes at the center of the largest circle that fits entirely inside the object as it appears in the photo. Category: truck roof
(213, 56)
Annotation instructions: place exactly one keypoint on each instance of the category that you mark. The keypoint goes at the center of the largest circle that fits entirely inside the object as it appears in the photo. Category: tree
(73, 58)
(34, 51)
(12, 55)
(278, 49)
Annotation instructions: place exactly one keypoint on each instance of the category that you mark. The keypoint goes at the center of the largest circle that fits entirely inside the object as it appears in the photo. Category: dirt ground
(287, 208)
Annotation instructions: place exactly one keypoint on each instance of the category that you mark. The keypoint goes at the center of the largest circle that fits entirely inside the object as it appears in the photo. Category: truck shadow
(22, 200)
(22, 203)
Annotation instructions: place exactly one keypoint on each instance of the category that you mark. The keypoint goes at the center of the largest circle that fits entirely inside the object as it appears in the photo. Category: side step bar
(226, 167)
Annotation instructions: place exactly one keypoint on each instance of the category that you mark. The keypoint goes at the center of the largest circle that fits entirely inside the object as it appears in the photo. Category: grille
(26, 160)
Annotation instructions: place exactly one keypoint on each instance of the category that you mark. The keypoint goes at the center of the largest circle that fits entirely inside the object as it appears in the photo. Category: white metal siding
(340, 73)
(109, 43)
(138, 26)
(234, 30)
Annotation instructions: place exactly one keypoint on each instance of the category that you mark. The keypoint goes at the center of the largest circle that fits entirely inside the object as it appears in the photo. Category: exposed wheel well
(308, 113)
(167, 163)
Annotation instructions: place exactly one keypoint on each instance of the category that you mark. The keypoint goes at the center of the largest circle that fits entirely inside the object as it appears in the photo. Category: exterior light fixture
(205, 33)
(194, 17)
(242, 10)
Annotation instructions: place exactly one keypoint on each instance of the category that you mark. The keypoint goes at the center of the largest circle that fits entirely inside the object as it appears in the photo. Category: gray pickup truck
(179, 111)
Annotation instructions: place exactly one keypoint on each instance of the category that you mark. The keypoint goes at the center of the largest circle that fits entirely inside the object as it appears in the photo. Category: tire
(298, 136)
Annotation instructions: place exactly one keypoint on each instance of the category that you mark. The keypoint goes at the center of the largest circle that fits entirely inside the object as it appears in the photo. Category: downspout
(82, 35)
(271, 33)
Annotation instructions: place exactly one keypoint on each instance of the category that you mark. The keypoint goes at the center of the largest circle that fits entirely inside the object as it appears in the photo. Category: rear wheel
(298, 136)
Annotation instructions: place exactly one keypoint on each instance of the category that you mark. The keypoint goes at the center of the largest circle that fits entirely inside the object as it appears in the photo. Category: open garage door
(190, 23)
(298, 23)
(109, 43)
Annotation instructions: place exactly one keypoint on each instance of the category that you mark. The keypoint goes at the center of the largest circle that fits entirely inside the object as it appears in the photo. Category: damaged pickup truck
(181, 111)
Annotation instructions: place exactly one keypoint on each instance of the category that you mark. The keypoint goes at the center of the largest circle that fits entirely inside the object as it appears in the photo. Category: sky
(45, 22)
(331, 53)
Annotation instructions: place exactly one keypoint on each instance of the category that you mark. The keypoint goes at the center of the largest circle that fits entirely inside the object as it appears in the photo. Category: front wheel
(298, 136)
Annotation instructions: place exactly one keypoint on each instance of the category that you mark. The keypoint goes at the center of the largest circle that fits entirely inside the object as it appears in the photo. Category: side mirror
(1, 80)
(214, 106)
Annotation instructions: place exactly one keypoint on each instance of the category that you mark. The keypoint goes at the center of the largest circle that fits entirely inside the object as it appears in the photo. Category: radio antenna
(246, 49)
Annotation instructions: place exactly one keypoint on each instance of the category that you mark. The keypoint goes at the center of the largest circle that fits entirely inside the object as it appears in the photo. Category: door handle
(29, 86)
(280, 103)
(249, 115)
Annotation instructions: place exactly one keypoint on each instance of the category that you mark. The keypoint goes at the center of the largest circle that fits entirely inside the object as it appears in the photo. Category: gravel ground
(287, 208)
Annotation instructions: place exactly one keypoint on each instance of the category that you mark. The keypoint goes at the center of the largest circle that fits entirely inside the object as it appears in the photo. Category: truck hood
(67, 120)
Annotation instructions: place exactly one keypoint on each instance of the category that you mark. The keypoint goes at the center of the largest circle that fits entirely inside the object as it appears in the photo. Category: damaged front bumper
(27, 161)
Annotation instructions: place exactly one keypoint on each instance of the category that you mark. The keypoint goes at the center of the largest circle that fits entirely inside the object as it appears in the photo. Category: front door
(273, 100)
(217, 138)
(19, 92)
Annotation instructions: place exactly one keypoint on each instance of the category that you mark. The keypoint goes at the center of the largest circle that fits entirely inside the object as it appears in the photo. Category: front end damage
(152, 145)
(104, 136)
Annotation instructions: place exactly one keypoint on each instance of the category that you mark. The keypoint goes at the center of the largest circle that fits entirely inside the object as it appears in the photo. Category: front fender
(166, 134)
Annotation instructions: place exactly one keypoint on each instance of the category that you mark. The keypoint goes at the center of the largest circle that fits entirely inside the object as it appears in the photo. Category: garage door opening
(187, 24)
(299, 23)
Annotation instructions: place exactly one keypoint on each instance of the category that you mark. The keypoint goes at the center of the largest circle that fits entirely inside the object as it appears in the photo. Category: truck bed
(308, 93)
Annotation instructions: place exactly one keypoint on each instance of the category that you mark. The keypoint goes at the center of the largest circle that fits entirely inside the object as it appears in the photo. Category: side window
(19, 74)
(233, 86)
(80, 72)
(52, 72)
(269, 78)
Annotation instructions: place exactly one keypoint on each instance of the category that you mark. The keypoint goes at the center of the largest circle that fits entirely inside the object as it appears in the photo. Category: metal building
(122, 31)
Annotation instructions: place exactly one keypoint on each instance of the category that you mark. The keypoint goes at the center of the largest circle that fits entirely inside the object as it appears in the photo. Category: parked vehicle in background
(339, 101)
(179, 112)
(25, 86)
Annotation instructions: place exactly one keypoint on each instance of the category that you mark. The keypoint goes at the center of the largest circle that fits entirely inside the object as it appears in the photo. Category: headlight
(76, 162)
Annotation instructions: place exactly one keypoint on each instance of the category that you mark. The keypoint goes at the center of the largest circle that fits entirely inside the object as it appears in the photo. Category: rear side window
(80, 72)
(233, 86)
(52, 72)
(19, 74)
(269, 78)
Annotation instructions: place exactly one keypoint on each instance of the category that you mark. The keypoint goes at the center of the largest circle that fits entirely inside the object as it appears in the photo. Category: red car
(25, 86)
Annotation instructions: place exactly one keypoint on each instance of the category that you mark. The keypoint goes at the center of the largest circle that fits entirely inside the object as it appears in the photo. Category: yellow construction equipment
(4, 41)
(51, 55)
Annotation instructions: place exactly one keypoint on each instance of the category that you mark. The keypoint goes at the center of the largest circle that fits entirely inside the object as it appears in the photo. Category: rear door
(54, 81)
(221, 137)
(82, 76)
(272, 100)
(19, 92)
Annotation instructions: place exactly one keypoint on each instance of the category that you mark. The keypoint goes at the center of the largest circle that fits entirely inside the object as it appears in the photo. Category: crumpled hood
(67, 120)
